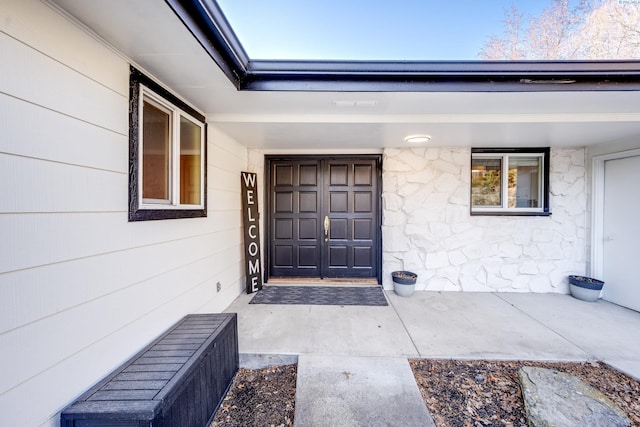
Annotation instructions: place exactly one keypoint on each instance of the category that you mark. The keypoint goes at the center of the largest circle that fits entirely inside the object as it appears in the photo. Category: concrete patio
(334, 340)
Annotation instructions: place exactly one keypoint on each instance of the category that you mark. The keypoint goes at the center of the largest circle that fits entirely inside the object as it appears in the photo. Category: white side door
(621, 231)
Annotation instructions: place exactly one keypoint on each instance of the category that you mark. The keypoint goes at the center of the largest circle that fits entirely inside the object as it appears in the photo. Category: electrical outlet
(218, 287)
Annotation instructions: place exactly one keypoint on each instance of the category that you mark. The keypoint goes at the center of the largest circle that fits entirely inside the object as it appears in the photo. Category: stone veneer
(427, 227)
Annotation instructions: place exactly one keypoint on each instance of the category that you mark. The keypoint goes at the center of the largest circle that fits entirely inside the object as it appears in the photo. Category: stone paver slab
(558, 399)
(336, 391)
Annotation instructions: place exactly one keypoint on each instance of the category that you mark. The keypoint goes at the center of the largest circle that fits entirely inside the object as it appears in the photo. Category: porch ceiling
(150, 34)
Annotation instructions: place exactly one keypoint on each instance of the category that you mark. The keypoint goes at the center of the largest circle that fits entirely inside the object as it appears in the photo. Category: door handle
(326, 228)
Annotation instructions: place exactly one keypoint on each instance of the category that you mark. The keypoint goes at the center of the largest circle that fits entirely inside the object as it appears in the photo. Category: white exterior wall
(427, 227)
(81, 288)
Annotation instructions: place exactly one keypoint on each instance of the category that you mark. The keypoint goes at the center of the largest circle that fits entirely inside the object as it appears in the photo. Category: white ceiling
(150, 34)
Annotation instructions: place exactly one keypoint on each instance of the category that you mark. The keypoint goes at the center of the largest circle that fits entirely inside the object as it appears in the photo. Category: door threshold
(323, 282)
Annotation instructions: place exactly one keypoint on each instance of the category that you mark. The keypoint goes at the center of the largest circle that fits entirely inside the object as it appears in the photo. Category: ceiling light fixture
(417, 139)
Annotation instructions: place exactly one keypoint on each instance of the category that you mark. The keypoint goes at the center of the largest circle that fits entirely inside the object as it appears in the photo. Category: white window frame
(504, 157)
(176, 113)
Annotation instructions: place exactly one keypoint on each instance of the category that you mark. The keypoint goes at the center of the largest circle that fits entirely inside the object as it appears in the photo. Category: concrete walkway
(352, 361)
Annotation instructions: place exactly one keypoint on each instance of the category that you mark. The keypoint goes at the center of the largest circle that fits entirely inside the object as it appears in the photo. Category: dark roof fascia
(424, 82)
(448, 67)
(206, 21)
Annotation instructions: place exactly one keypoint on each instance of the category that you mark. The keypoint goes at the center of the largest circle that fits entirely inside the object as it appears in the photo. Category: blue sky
(369, 29)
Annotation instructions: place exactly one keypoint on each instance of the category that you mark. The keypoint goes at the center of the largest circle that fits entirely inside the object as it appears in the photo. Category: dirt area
(259, 397)
(457, 393)
(487, 393)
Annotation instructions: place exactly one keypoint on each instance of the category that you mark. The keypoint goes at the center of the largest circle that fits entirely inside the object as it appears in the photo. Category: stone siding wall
(427, 227)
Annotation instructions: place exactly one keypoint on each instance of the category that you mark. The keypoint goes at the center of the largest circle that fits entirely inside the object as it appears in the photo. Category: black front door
(324, 217)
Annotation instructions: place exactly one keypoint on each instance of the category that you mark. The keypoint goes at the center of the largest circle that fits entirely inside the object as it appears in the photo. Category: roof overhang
(206, 21)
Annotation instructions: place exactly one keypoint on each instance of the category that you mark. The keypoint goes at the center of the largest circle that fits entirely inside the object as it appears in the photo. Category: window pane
(156, 129)
(524, 182)
(190, 155)
(485, 182)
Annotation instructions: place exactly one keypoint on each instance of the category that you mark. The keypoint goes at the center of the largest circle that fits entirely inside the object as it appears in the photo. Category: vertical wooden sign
(250, 216)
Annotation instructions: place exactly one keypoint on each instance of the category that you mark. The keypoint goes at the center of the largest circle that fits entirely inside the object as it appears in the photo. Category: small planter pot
(404, 283)
(585, 288)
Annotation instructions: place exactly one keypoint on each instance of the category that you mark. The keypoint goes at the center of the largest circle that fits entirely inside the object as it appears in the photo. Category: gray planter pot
(585, 288)
(404, 283)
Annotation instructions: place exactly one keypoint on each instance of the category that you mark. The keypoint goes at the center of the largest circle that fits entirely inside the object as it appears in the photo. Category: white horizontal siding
(60, 187)
(81, 288)
(227, 158)
(221, 157)
(39, 400)
(224, 199)
(49, 32)
(232, 282)
(224, 157)
(38, 79)
(226, 180)
(37, 239)
(35, 293)
(31, 240)
(36, 346)
(32, 131)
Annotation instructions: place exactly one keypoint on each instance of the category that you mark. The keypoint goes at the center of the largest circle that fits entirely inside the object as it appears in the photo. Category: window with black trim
(510, 181)
(167, 154)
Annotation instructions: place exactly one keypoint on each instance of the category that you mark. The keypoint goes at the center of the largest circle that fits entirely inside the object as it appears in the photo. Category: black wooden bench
(179, 379)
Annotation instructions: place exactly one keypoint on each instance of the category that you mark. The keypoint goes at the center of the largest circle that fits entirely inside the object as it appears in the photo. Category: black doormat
(320, 295)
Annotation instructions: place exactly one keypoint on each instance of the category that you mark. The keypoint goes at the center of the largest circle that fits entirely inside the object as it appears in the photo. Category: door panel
(352, 192)
(308, 201)
(621, 244)
(294, 224)
(305, 191)
(363, 229)
(284, 228)
(308, 256)
(308, 229)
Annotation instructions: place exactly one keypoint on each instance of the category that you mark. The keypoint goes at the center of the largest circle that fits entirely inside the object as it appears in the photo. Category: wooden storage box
(177, 380)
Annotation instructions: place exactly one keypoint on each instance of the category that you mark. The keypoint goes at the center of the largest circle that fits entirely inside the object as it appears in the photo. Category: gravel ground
(457, 393)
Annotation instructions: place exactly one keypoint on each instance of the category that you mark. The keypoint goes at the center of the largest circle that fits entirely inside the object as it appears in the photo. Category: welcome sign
(250, 216)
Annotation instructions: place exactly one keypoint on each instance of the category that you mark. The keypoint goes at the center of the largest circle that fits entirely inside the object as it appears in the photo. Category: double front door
(324, 217)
